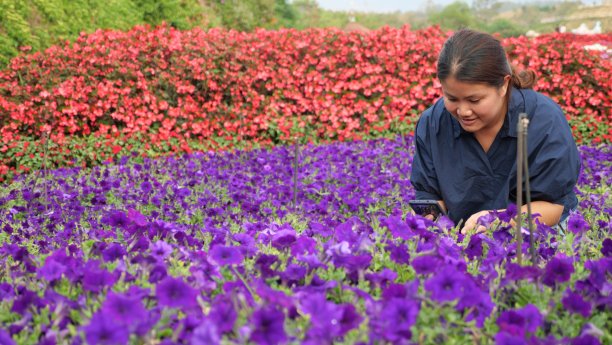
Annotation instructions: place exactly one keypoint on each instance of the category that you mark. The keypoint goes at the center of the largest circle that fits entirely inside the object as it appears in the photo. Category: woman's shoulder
(547, 119)
(541, 103)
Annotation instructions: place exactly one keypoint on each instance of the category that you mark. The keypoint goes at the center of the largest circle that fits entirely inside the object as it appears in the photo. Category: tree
(454, 16)
(506, 28)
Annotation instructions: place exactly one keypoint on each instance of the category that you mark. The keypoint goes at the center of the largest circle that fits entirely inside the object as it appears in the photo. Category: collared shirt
(450, 164)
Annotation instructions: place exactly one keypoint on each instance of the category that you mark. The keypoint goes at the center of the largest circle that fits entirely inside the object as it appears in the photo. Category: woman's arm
(547, 213)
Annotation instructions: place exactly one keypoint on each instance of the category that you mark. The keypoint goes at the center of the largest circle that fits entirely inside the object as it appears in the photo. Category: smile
(467, 122)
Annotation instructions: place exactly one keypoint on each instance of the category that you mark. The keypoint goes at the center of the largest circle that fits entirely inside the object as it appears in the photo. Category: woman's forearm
(547, 212)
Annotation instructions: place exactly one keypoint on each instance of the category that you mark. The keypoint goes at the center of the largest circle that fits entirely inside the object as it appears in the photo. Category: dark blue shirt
(451, 165)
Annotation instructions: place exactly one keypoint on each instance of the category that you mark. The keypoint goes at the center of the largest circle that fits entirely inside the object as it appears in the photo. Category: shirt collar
(517, 104)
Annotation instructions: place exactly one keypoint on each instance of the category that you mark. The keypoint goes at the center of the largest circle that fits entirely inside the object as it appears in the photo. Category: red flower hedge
(267, 85)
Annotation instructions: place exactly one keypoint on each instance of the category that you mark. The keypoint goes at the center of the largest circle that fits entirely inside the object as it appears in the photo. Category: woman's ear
(507, 80)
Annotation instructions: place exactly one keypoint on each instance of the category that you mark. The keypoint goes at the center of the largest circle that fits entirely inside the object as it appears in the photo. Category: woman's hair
(476, 57)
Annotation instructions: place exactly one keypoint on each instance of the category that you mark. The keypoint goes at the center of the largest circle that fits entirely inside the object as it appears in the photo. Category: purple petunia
(577, 224)
(123, 309)
(206, 334)
(5, 338)
(226, 255)
(113, 252)
(398, 228)
(104, 331)
(175, 293)
(474, 248)
(325, 317)
(521, 321)
(269, 329)
(503, 338)
(95, 278)
(395, 320)
(585, 340)
(478, 303)
(558, 270)
(161, 249)
(51, 270)
(606, 247)
(446, 284)
(398, 253)
(223, 313)
(426, 264)
(284, 238)
(512, 322)
(574, 303)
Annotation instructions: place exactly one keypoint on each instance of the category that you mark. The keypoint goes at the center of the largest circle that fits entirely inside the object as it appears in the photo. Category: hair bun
(523, 79)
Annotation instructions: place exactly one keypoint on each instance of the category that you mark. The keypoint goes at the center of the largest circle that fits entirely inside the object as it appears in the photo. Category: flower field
(210, 248)
(180, 209)
(161, 90)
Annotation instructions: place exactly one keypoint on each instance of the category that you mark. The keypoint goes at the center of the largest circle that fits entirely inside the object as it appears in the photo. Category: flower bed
(165, 90)
(228, 246)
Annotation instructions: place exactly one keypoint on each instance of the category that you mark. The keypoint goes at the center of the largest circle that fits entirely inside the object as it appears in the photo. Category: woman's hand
(472, 223)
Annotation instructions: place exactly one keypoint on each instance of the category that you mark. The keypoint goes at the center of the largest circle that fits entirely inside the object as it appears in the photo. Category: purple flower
(103, 330)
(116, 219)
(533, 317)
(137, 218)
(303, 245)
(350, 319)
(5, 338)
(577, 224)
(520, 321)
(161, 249)
(398, 228)
(396, 318)
(24, 300)
(226, 255)
(206, 334)
(574, 303)
(558, 270)
(398, 253)
(113, 252)
(474, 247)
(606, 247)
(508, 214)
(353, 262)
(123, 309)
(95, 279)
(325, 317)
(6, 291)
(51, 270)
(426, 264)
(284, 238)
(503, 338)
(223, 314)
(446, 285)
(293, 274)
(585, 340)
(268, 323)
(515, 272)
(157, 273)
(477, 302)
(146, 187)
(175, 293)
(512, 322)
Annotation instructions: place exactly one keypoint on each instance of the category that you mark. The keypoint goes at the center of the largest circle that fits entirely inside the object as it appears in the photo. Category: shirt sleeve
(423, 176)
(554, 163)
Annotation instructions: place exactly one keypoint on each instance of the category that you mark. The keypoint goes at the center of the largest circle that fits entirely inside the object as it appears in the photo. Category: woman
(466, 143)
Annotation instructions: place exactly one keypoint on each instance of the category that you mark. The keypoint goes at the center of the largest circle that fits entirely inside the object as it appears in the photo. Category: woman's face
(478, 107)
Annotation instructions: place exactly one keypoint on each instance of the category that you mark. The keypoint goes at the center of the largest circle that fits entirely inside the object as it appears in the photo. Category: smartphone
(426, 207)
